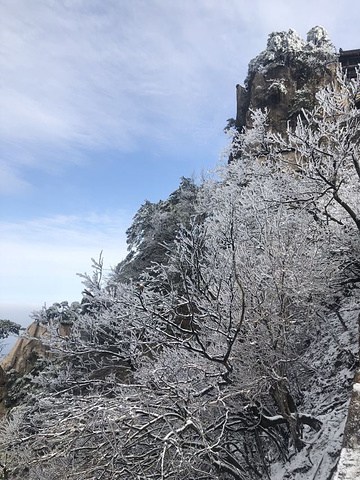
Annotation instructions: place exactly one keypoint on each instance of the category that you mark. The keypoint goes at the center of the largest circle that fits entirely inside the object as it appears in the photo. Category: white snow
(356, 387)
(319, 37)
(349, 465)
(284, 47)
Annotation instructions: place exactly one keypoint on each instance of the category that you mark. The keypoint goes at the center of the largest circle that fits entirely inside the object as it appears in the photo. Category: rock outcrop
(22, 359)
(18, 362)
(285, 77)
(26, 350)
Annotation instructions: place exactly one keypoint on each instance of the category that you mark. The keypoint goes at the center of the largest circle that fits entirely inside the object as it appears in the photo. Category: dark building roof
(349, 59)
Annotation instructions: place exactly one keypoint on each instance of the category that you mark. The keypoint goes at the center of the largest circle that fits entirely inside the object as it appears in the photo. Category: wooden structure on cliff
(350, 60)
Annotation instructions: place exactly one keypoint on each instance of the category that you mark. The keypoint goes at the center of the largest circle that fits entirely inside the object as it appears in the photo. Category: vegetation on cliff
(288, 48)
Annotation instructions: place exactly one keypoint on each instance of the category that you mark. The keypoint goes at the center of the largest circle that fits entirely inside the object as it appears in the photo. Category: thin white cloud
(10, 180)
(90, 75)
(40, 257)
(94, 74)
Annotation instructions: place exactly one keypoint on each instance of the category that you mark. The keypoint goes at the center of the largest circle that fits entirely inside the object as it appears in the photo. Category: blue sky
(106, 103)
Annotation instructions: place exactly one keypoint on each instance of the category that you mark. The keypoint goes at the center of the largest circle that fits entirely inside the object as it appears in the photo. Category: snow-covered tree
(154, 225)
(7, 327)
(326, 143)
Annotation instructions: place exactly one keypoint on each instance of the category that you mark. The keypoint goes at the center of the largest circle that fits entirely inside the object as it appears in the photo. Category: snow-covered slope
(329, 368)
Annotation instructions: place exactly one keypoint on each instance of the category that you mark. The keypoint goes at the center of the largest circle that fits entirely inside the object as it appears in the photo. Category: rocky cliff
(22, 359)
(285, 77)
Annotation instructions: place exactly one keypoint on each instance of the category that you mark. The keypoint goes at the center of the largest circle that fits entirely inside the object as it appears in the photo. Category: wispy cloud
(10, 180)
(84, 75)
(40, 257)
(89, 75)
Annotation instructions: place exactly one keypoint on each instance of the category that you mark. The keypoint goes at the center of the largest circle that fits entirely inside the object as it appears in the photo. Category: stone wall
(349, 463)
